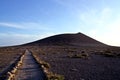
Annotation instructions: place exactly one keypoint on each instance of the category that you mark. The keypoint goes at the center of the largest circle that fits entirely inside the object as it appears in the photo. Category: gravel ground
(96, 67)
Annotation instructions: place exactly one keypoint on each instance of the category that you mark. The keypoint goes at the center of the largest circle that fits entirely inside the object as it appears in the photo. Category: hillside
(70, 56)
(78, 39)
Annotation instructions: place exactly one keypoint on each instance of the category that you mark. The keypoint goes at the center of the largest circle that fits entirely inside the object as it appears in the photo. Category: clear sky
(24, 21)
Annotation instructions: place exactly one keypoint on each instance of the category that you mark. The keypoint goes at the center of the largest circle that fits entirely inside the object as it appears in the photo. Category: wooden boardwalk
(29, 69)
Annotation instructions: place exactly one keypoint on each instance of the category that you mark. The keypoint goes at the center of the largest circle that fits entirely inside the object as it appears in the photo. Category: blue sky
(24, 21)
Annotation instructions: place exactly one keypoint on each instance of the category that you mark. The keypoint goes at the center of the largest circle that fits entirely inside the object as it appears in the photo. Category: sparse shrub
(109, 55)
(52, 76)
(108, 51)
(85, 55)
(45, 64)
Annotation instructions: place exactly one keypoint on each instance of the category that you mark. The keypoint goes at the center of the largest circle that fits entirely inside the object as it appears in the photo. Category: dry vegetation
(71, 62)
(112, 52)
(8, 56)
(65, 51)
(85, 56)
(46, 66)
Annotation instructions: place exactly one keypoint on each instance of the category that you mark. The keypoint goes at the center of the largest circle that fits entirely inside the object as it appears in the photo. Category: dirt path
(29, 70)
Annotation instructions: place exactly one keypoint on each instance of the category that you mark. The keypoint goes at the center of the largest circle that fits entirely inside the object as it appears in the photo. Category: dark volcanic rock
(78, 39)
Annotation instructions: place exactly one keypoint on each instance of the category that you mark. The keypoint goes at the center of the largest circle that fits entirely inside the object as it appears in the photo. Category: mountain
(77, 39)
